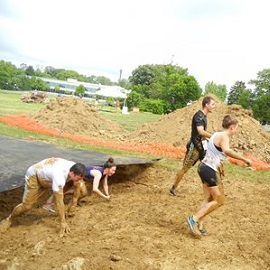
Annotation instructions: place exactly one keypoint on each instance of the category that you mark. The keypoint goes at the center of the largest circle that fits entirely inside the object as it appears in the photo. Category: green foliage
(262, 83)
(8, 75)
(236, 90)
(168, 83)
(80, 90)
(261, 108)
(218, 90)
(155, 106)
(134, 99)
(38, 84)
(261, 93)
(30, 71)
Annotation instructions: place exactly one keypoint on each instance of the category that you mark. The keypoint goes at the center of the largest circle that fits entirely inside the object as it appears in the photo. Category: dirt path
(142, 227)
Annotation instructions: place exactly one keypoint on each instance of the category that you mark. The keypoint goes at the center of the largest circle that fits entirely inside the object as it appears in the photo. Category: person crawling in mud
(93, 173)
(51, 173)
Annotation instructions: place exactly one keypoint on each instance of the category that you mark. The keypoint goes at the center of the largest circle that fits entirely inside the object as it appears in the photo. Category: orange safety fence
(24, 122)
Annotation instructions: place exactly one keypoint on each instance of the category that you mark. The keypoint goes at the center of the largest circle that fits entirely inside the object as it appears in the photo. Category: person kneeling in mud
(95, 174)
(51, 173)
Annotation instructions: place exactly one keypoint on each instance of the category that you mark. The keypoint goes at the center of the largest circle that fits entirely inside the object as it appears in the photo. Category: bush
(155, 106)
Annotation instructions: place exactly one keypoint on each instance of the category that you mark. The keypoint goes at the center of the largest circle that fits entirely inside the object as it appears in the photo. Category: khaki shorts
(33, 191)
(191, 157)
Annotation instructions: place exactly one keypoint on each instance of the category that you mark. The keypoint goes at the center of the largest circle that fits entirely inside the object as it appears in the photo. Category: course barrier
(26, 123)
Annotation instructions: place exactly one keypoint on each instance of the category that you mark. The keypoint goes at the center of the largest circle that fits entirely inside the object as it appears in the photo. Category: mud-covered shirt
(54, 170)
(199, 119)
(213, 154)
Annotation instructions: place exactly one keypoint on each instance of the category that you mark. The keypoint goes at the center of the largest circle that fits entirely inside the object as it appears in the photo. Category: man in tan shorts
(195, 150)
(50, 173)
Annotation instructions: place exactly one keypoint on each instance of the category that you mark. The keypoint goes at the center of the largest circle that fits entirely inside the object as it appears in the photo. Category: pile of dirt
(35, 97)
(175, 129)
(73, 115)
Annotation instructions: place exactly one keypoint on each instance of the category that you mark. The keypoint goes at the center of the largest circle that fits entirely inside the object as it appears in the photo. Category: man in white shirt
(51, 173)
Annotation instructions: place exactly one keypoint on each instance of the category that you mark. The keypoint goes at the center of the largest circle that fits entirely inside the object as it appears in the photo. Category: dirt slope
(143, 228)
(175, 128)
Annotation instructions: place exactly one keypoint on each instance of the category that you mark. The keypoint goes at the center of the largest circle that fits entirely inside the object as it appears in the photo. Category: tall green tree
(239, 94)
(236, 90)
(219, 90)
(261, 105)
(9, 74)
(169, 83)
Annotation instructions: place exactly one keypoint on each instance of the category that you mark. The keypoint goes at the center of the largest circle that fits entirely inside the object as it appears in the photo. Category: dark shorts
(207, 175)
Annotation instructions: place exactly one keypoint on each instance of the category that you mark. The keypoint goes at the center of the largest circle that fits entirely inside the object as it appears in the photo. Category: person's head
(230, 123)
(109, 167)
(208, 104)
(77, 172)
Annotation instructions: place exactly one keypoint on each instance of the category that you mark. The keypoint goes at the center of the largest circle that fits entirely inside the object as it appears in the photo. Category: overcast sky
(216, 40)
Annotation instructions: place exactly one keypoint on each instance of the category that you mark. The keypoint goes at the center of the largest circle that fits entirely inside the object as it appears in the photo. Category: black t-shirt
(199, 119)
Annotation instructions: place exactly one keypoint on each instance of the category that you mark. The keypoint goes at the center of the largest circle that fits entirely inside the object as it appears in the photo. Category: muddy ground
(142, 227)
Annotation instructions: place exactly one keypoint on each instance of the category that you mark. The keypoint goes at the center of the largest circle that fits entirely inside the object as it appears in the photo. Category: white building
(91, 89)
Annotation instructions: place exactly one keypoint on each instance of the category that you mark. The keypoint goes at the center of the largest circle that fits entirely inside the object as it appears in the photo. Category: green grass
(133, 120)
(11, 104)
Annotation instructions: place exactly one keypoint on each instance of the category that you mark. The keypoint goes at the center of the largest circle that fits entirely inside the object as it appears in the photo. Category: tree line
(159, 89)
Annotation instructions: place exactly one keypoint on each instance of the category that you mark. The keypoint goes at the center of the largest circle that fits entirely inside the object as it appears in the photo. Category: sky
(223, 41)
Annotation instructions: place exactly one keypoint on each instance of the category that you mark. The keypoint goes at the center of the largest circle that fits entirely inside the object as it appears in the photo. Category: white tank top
(213, 155)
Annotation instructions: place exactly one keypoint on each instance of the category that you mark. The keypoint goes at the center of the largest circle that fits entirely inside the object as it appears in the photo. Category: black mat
(17, 155)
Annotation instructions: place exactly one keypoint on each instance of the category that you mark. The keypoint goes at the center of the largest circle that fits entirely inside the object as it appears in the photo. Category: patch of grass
(133, 120)
(11, 104)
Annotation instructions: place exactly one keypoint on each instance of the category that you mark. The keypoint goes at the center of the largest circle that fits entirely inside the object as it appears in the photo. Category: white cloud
(220, 41)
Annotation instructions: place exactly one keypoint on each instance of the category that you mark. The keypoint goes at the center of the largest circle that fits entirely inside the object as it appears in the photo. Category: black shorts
(207, 175)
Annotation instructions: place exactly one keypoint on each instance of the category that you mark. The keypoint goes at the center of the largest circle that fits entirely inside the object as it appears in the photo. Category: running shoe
(172, 192)
(49, 207)
(203, 231)
(194, 227)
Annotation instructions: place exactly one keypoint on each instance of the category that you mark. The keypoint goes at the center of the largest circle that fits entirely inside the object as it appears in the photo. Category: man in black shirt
(195, 150)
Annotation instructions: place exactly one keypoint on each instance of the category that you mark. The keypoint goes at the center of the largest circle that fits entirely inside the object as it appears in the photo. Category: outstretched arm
(97, 176)
(59, 201)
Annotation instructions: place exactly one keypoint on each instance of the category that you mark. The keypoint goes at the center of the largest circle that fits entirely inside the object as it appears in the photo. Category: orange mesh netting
(24, 122)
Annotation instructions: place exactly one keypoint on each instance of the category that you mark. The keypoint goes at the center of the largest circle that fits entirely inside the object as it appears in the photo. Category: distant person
(217, 149)
(95, 174)
(51, 173)
(195, 149)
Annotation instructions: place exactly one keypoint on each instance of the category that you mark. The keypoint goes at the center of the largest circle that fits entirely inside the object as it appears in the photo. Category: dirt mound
(175, 128)
(73, 115)
(34, 97)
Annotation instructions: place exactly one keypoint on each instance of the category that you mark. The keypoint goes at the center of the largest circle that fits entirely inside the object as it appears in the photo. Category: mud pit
(142, 227)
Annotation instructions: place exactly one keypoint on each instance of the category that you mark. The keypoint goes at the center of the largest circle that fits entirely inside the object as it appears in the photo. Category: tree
(261, 96)
(262, 83)
(9, 75)
(236, 90)
(261, 108)
(134, 99)
(239, 94)
(218, 90)
(30, 71)
(165, 83)
(66, 74)
(80, 90)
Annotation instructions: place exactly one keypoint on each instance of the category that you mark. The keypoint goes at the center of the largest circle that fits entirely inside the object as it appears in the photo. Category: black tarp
(17, 155)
